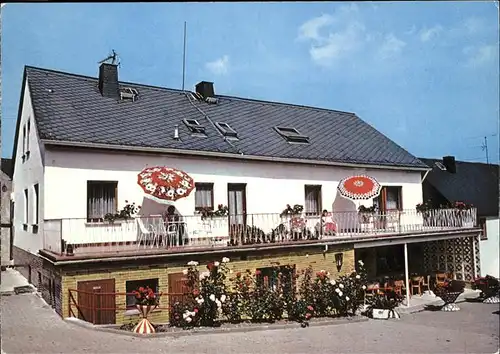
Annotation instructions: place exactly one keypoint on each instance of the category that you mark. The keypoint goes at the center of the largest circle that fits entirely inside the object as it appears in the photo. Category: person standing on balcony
(173, 224)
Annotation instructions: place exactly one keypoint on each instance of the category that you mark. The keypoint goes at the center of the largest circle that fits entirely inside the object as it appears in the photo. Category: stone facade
(5, 218)
(301, 258)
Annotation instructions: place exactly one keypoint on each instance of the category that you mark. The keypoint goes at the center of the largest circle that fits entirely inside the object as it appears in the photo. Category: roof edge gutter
(76, 144)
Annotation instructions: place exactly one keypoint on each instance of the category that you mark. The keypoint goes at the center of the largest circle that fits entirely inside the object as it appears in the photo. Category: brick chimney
(108, 81)
(449, 163)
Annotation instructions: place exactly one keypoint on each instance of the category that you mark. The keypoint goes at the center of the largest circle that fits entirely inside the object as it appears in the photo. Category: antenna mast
(485, 148)
(184, 58)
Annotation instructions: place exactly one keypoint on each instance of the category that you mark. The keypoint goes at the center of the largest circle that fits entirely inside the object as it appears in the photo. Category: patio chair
(416, 283)
(426, 282)
(147, 233)
(440, 278)
(399, 286)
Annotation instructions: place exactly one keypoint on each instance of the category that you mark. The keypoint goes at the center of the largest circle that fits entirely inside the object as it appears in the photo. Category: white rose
(185, 315)
(192, 263)
(358, 276)
(204, 275)
(347, 298)
(219, 304)
(225, 260)
(333, 282)
(363, 287)
(216, 264)
(223, 298)
(337, 290)
(185, 271)
(189, 319)
(322, 271)
(341, 293)
(341, 286)
(193, 314)
(361, 262)
(212, 297)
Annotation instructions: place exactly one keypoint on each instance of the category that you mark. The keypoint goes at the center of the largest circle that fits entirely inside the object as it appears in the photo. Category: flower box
(381, 314)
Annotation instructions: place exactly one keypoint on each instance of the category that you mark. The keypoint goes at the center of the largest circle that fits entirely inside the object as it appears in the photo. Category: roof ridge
(251, 100)
(434, 159)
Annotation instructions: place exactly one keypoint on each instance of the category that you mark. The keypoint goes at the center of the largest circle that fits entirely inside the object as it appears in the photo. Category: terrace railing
(230, 231)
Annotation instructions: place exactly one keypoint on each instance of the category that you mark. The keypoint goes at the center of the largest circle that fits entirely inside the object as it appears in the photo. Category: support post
(407, 280)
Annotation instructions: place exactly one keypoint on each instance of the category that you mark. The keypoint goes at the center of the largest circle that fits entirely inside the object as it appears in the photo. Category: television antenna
(113, 57)
(484, 147)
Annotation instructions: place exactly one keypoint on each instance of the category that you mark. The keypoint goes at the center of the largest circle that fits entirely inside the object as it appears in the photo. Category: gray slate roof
(69, 107)
(474, 183)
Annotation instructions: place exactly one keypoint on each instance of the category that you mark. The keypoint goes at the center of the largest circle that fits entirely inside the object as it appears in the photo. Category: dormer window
(292, 135)
(226, 130)
(194, 126)
(128, 93)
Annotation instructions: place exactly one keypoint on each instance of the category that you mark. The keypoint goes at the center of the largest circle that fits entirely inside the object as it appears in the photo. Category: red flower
(196, 292)
(308, 316)
(210, 266)
(195, 310)
(310, 308)
(238, 274)
(141, 289)
(258, 272)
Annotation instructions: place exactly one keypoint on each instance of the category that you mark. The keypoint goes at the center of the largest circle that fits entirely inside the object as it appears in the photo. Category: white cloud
(341, 35)
(310, 29)
(427, 34)
(391, 46)
(219, 66)
(480, 55)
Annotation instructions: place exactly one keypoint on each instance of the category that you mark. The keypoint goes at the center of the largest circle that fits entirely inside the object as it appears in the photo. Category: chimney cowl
(108, 81)
(449, 163)
(205, 88)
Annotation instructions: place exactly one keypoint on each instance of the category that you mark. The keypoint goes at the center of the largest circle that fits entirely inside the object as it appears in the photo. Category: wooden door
(177, 288)
(237, 204)
(97, 301)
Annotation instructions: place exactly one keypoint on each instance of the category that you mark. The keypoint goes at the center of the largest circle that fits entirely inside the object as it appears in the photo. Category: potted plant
(146, 301)
(462, 213)
(424, 210)
(449, 292)
(366, 214)
(206, 212)
(293, 216)
(382, 306)
(129, 211)
(489, 287)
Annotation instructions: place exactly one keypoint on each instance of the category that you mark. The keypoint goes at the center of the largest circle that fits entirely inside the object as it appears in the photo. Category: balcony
(138, 236)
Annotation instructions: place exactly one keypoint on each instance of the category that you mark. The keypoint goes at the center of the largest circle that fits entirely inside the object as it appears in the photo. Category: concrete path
(11, 279)
(29, 325)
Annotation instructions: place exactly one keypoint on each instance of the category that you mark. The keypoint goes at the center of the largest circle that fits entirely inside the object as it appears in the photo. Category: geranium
(145, 296)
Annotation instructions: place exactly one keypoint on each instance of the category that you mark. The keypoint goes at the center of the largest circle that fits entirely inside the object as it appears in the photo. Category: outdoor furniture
(147, 233)
(399, 286)
(426, 280)
(440, 278)
(416, 283)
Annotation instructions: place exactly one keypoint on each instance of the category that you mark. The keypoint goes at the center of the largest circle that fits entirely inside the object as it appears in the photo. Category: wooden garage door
(96, 307)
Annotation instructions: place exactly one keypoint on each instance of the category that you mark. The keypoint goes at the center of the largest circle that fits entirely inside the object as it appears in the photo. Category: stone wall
(5, 190)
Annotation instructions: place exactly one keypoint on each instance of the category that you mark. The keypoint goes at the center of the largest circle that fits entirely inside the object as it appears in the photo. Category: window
(482, 225)
(133, 285)
(313, 200)
(226, 130)
(24, 140)
(28, 136)
(101, 199)
(440, 166)
(390, 198)
(292, 135)
(194, 126)
(204, 196)
(26, 208)
(36, 202)
(271, 277)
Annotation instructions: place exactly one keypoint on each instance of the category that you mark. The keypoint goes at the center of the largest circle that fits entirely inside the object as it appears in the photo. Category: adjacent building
(5, 212)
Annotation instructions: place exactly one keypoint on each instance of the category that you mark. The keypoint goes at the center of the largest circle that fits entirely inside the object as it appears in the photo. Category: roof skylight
(440, 166)
(292, 135)
(194, 126)
(226, 130)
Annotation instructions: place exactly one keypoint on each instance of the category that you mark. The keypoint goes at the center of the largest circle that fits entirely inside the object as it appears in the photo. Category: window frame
(36, 206)
(292, 135)
(381, 201)
(204, 186)
(314, 188)
(194, 128)
(226, 129)
(138, 283)
(26, 209)
(266, 272)
(100, 182)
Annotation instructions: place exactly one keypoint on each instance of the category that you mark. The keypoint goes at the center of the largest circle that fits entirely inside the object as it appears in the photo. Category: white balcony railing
(230, 231)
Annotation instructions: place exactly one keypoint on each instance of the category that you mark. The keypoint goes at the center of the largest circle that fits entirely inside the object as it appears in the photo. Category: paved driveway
(29, 326)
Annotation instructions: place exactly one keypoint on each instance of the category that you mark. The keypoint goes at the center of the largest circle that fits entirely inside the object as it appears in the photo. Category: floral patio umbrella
(165, 183)
(359, 187)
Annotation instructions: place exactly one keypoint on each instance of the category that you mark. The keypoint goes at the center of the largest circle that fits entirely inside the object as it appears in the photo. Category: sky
(426, 74)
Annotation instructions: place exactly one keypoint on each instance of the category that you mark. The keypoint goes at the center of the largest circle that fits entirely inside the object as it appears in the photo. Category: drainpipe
(423, 178)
